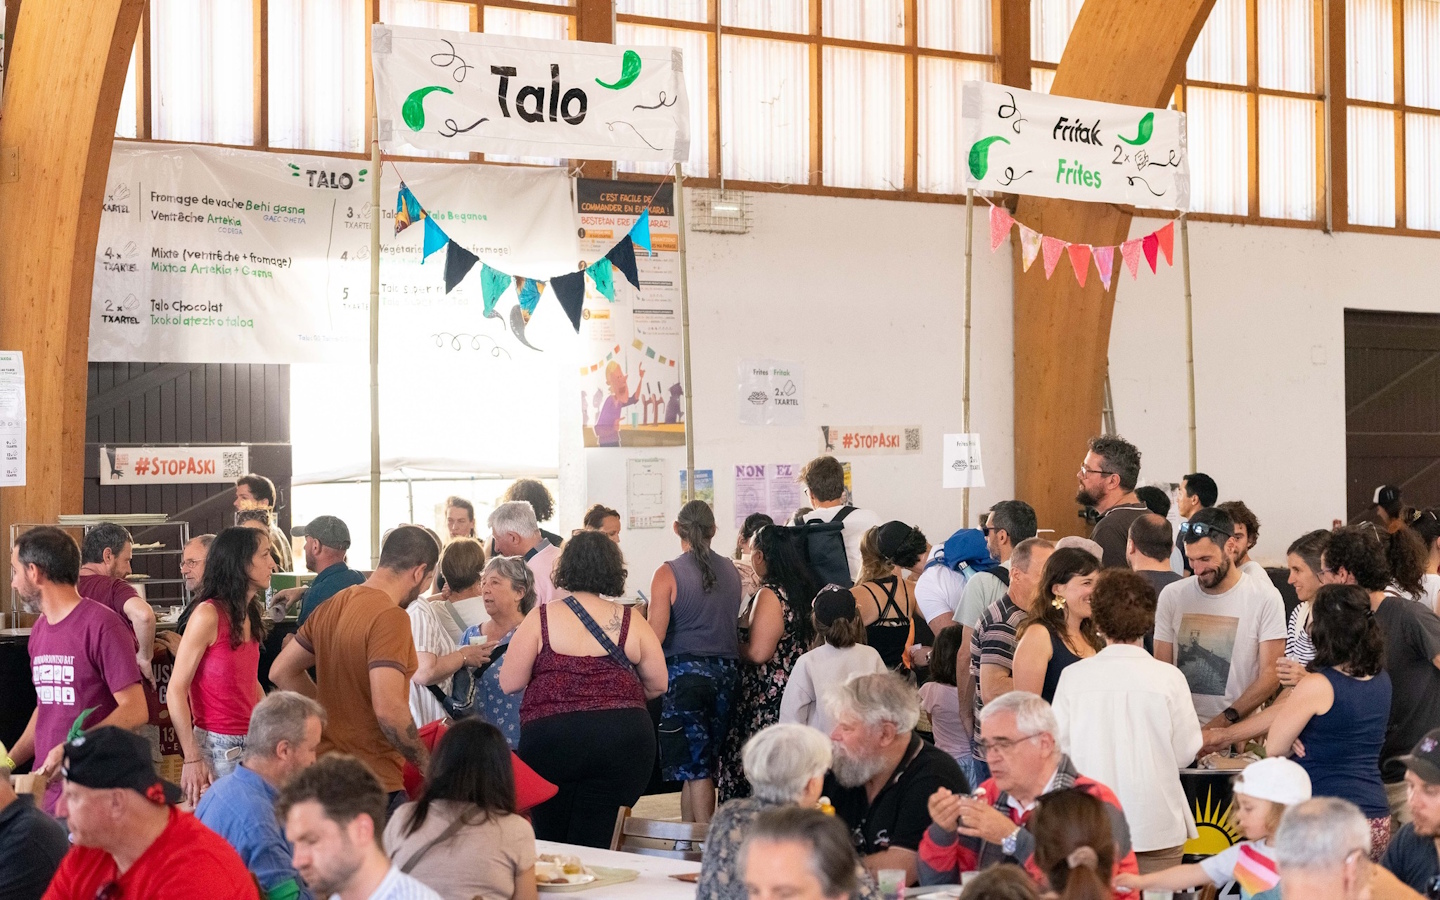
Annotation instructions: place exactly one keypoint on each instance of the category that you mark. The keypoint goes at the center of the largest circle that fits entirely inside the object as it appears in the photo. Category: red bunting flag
(1052, 248)
(1079, 261)
(1104, 264)
(1166, 236)
(1151, 245)
(1130, 252)
(1000, 222)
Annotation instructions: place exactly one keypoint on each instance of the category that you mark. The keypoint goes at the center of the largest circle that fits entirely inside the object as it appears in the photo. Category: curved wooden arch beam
(1120, 51)
(62, 94)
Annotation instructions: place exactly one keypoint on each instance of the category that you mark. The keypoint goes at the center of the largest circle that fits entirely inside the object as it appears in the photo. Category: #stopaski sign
(172, 465)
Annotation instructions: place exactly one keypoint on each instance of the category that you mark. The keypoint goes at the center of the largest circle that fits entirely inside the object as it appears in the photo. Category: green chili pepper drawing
(1147, 128)
(629, 71)
(413, 110)
(980, 156)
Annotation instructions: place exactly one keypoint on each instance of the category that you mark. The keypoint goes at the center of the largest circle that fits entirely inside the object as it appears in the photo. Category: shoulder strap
(544, 629)
(444, 836)
(844, 511)
(890, 603)
(455, 615)
(599, 634)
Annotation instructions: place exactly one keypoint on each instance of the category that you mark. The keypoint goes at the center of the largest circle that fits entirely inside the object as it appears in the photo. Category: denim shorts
(695, 715)
(222, 751)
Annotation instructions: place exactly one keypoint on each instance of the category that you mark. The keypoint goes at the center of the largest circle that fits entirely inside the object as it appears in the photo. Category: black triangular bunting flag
(622, 256)
(458, 263)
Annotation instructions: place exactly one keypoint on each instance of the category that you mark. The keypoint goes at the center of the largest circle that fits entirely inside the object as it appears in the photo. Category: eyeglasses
(1201, 529)
(1432, 888)
(1002, 745)
(1085, 470)
(191, 563)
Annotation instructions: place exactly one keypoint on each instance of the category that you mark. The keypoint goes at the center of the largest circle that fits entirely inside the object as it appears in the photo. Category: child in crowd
(840, 654)
(1262, 792)
(941, 699)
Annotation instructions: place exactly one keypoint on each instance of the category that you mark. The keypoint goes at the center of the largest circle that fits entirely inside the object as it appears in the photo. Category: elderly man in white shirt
(1127, 720)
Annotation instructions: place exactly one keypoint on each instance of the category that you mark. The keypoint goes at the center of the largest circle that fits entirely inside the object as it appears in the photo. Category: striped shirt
(399, 886)
(1297, 636)
(994, 644)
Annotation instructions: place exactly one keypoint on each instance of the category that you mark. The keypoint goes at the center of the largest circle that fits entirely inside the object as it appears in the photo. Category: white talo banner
(1021, 142)
(214, 255)
(488, 93)
(173, 465)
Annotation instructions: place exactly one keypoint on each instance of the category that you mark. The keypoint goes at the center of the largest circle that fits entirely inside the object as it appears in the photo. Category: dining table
(654, 882)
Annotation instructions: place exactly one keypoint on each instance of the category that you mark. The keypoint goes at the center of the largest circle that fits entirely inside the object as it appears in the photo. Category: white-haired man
(515, 532)
(971, 833)
(1323, 852)
(882, 773)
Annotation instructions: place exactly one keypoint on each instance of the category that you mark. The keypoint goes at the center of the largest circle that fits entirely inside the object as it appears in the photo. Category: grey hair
(830, 854)
(1020, 556)
(1032, 714)
(205, 540)
(1321, 834)
(877, 699)
(281, 716)
(514, 570)
(515, 517)
(781, 760)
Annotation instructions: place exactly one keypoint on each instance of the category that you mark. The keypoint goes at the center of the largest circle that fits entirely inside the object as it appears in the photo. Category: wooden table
(654, 882)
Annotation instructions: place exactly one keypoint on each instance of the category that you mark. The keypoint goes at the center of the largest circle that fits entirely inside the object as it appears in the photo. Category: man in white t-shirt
(437, 660)
(1222, 628)
(824, 479)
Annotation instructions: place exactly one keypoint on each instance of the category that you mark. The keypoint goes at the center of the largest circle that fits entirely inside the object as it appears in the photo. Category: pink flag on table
(1130, 252)
(1000, 222)
(1166, 236)
(1029, 245)
(1105, 264)
(1079, 261)
(1053, 247)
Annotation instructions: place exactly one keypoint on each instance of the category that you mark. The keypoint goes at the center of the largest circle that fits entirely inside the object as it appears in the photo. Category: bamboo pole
(679, 199)
(375, 342)
(965, 395)
(1189, 337)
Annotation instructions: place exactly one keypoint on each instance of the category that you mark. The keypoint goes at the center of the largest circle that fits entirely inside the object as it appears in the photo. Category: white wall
(867, 295)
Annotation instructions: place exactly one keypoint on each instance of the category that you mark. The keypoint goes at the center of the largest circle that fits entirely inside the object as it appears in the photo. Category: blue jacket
(241, 809)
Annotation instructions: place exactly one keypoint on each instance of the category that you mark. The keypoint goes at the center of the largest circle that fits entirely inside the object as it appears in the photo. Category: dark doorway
(1392, 407)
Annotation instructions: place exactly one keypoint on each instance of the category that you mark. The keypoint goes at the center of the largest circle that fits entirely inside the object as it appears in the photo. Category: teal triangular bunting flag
(435, 238)
(407, 209)
(493, 283)
(602, 272)
(640, 231)
(529, 290)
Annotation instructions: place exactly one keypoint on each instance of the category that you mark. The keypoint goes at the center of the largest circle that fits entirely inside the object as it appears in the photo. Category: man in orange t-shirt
(359, 643)
(130, 840)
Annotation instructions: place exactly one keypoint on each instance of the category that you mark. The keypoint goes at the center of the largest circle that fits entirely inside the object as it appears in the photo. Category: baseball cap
(890, 536)
(1424, 760)
(329, 531)
(1386, 495)
(1276, 779)
(110, 757)
(832, 604)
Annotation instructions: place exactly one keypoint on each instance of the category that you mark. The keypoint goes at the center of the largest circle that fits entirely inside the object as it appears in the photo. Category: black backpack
(823, 544)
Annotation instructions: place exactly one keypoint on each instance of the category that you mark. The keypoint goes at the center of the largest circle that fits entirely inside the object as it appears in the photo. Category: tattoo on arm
(407, 742)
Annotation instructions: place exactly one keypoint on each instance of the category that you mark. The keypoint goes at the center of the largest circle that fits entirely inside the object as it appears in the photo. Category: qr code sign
(232, 464)
(912, 440)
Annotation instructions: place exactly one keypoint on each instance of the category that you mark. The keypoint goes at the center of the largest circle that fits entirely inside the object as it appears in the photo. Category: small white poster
(173, 465)
(12, 418)
(750, 492)
(962, 461)
(771, 392)
(645, 492)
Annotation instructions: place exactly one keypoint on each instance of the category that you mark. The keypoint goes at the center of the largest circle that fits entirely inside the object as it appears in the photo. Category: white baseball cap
(1275, 779)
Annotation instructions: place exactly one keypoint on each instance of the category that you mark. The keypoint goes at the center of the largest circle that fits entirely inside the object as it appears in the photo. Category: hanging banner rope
(1151, 246)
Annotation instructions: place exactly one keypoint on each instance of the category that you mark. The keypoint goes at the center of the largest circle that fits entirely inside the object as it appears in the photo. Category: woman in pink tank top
(215, 683)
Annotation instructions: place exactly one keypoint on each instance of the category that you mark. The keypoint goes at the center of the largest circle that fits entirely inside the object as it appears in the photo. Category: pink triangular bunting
(1130, 252)
(1079, 261)
(1151, 245)
(1029, 245)
(1166, 236)
(1000, 222)
(1053, 247)
(1104, 264)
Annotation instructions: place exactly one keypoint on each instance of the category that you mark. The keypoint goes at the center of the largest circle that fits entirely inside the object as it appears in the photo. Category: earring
(1058, 602)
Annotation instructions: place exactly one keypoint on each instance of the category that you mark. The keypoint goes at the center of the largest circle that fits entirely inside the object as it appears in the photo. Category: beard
(853, 771)
(1215, 576)
(31, 605)
(1084, 498)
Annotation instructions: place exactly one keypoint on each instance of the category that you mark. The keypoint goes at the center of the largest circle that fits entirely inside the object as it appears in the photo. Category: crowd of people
(842, 701)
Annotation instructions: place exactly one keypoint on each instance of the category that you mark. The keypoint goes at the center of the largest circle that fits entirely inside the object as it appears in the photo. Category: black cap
(1386, 495)
(112, 757)
(832, 604)
(1424, 760)
(889, 538)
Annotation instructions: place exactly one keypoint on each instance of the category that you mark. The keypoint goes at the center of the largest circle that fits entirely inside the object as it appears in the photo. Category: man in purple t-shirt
(82, 655)
(104, 565)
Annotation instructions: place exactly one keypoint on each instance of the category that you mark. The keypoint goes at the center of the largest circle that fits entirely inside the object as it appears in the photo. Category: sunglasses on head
(1199, 530)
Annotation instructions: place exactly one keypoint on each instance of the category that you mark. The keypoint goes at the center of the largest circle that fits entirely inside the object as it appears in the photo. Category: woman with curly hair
(885, 598)
(1058, 630)
(1335, 721)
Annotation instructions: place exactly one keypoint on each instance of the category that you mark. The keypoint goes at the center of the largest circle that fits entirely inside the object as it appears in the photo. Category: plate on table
(595, 876)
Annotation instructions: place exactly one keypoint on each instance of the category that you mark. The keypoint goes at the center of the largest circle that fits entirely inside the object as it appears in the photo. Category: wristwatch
(1008, 845)
(1231, 715)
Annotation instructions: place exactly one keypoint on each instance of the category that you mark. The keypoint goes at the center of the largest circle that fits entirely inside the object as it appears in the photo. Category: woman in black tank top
(885, 600)
(1058, 631)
